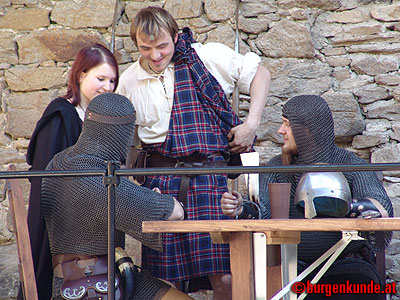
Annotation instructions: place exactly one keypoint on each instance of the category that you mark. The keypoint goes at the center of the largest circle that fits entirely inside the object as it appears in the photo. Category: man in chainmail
(75, 208)
(308, 134)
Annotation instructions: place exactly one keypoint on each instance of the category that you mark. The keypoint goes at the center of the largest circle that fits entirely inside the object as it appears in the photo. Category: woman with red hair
(94, 71)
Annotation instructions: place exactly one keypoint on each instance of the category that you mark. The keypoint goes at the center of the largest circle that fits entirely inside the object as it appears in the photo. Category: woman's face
(96, 81)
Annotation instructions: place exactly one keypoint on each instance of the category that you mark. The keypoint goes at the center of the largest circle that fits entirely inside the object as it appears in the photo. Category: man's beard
(288, 155)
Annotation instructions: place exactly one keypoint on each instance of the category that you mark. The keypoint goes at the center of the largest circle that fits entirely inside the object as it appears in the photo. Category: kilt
(190, 255)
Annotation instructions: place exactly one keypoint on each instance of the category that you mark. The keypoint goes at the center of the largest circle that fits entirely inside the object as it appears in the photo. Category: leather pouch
(137, 159)
(90, 282)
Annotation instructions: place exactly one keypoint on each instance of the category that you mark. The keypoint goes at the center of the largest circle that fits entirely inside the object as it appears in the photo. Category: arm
(365, 186)
(178, 212)
(242, 136)
(231, 68)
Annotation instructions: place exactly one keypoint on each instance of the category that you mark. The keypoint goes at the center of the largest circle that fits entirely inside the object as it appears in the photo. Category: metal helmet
(323, 193)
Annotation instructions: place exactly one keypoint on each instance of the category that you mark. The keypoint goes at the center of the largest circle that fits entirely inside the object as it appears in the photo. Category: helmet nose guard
(323, 193)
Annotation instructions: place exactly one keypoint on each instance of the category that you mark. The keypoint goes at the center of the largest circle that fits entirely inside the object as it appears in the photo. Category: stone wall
(345, 50)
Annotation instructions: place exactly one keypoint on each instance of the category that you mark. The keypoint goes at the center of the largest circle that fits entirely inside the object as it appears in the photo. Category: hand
(367, 208)
(230, 204)
(241, 137)
(178, 213)
(157, 190)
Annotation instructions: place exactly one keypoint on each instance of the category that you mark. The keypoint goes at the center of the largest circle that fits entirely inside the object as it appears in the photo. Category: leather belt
(193, 161)
(82, 261)
(155, 160)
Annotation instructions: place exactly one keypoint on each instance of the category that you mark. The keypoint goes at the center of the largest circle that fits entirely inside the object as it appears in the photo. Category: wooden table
(240, 238)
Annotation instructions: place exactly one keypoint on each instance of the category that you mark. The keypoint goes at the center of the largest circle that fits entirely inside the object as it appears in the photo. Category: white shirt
(153, 98)
(79, 110)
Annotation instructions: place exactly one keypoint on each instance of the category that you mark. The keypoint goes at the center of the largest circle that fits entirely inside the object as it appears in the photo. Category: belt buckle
(179, 164)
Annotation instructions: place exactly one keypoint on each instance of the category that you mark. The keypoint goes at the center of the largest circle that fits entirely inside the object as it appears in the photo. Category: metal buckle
(179, 164)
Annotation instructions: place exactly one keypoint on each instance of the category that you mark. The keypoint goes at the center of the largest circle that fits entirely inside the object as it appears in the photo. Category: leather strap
(183, 190)
(155, 160)
(250, 210)
(89, 115)
(82, 261)
(60, 258)
(193, 161)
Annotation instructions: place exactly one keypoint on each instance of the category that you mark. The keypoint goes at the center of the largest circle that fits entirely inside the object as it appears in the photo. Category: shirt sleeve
(121, 89)
(228, 66)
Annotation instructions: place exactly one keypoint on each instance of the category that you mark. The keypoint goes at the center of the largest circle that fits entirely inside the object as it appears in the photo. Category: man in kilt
(178, 88)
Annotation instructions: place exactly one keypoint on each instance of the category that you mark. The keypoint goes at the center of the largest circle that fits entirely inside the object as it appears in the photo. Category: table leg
(241, 257)
(289, 267)
(260, 265)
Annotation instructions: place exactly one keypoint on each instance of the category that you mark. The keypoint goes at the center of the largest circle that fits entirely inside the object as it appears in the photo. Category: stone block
(220, 10)
(182, 9)
(5, 3)
(25, 19)
(373, 65)
(9, 276)
(255, 8)
(60, 45)
(25, 79)
(349, 16)
(324, 5)
(24, 2)
(286, 39)
(8, 49)
(371, 93)
(83, 14)
(386, 13)
(132, 7)
(24, 110)
(254, 25)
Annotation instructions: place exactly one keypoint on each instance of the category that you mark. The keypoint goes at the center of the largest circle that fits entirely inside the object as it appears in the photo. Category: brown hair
(151, 20)
(86, 59)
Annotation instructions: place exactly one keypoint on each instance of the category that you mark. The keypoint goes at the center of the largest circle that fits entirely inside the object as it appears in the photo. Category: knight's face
(289, 144)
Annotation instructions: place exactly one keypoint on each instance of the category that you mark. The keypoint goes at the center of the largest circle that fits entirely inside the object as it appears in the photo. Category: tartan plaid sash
(201, 115)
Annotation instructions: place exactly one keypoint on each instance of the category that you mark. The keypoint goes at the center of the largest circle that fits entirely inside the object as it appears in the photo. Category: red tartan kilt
(190, 255)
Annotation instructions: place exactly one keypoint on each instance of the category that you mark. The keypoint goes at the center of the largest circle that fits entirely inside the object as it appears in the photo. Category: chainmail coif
(75, 208)
(312, 126)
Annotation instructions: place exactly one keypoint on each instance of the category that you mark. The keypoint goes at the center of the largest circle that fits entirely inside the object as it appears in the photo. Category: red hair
(86, 59)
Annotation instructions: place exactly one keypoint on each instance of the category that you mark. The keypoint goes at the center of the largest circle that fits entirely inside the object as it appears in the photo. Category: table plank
(328, 224)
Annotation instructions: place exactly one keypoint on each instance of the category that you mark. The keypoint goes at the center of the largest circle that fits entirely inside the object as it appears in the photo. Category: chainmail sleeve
(133, 204)
(367, 185)
(85, 230)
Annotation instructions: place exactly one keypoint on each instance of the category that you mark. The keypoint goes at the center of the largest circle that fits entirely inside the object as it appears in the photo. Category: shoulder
(129, 78)
(130, 72)
(210, 46)
(212, 49)
(57, 105)
(58, 110)
(275, 161)
(348, 156)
